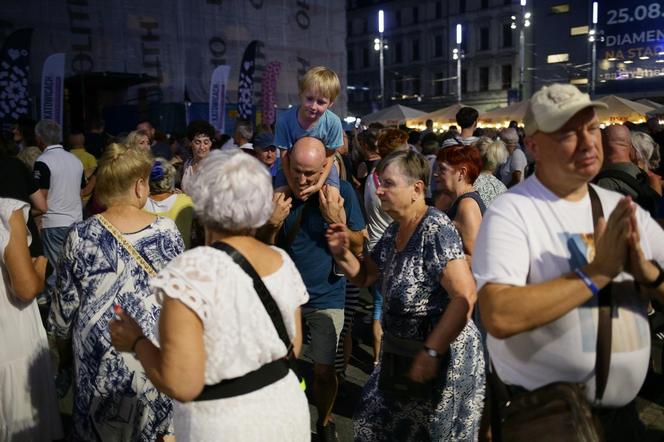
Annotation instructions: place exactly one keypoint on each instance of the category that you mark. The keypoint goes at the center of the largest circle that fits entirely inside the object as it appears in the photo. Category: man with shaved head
(300, 231)
(619, 173)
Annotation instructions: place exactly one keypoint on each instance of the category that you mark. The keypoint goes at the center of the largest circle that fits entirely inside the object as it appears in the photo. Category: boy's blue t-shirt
(328, 129)
(309, 250)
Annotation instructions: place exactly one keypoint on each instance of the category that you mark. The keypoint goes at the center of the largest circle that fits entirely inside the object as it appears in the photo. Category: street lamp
(381, 48)
(457, 54)
(525, 23)
(592, 37)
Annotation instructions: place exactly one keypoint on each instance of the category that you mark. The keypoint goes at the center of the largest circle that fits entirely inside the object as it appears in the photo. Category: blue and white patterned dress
(414, 302)
(113, 398)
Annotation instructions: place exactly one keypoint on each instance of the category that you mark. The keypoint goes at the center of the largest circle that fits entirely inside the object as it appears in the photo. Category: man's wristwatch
(431, 352)
(660, 277)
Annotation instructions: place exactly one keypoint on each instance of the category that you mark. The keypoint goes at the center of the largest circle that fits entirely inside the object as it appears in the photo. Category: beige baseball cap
(552, 106)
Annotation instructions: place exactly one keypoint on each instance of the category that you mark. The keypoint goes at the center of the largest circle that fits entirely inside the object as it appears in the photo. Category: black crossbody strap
(603, 353)
(262, 291)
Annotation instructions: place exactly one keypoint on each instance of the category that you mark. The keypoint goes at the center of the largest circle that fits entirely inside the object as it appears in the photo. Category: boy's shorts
(332, 179)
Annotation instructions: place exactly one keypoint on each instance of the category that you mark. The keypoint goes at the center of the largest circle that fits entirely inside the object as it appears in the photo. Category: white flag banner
(218, 87)
(52, 88)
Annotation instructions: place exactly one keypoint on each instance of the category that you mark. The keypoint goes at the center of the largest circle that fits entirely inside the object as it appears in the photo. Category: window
(484, 79)
(439, 10)
(484, 39)
(438, 84)
(365, 57)
(416, 14)
(397, 18)
(464, 80)
(462, 6)
(398, 86)
(579, 81)
(560, 9)
(506, 76)
(438, 46)
(557, 58)
(579, 30)
(351, 60)
(507, 35)
(398, 52)
(484, 4)
(416, 49)
(416, 86)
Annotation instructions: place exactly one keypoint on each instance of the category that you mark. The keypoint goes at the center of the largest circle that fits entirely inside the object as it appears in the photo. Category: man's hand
(338, 239)
(306, 193)
(282, 207)
(332, 205)
(638, 266)
(611, 240)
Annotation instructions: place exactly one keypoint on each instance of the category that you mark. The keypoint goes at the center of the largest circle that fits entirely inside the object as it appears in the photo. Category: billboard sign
(633, 46)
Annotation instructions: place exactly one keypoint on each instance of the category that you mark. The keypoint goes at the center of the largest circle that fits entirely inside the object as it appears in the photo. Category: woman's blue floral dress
(113, 398)
(414, 301)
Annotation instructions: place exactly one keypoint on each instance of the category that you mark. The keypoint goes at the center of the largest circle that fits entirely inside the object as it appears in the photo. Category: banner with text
(218, 87)
(52, 88)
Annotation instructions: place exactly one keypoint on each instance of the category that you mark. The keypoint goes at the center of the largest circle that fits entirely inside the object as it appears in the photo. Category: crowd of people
(172, 283)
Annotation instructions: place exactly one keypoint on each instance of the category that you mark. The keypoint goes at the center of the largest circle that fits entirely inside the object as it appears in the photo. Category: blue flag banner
(14, 76)
(245, 90)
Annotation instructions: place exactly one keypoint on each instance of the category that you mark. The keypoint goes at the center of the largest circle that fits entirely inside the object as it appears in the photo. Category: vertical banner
(14, 74)
(218, 86)
(245, 91)
(269, 89)
(52, 88)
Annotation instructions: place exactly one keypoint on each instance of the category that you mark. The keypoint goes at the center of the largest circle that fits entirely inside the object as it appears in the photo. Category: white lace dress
(239, 337)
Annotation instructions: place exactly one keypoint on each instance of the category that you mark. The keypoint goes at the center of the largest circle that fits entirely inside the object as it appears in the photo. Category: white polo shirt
(62, 174)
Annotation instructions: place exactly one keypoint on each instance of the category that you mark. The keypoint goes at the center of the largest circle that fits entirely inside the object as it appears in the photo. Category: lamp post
(381, 29)
(593, 40)
(457, 54)
(525, 22)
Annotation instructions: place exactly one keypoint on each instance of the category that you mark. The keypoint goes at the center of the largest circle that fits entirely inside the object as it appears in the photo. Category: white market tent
(393, 115)
(621, 110)
(503, 115)
(441, 118)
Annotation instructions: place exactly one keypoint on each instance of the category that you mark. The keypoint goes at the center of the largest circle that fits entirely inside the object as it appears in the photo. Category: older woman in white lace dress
(213, 326)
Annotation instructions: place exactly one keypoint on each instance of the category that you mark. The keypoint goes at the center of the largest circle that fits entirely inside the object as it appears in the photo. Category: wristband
(133, 347)
(431, 352)
(660, 278)
(587, 281)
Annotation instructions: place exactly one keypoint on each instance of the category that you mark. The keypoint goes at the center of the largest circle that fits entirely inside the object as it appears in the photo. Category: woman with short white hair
(215, 332)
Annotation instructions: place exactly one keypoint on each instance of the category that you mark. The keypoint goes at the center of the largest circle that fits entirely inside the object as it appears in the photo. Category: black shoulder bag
(557, 411)
(268, 373)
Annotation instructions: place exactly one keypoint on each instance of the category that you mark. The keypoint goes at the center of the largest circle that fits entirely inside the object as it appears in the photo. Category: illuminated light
(458, 34)
(591, 32)
(660, 53)
(628, 61)
(513, 25)
(595, 12)
(381, 21)
(612, 59)
(527, 15)
(513, 17)
(602, 125)
(644, 57)
(602, 81)
(523, 2)
(526, 23)
(659, 61)
(591, 39)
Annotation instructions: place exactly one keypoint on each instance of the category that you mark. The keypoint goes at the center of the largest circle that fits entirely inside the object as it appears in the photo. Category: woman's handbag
(558, 411)
(397, 358)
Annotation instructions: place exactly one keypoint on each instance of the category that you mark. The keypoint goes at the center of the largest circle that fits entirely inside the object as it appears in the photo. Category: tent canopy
(504, 115)
(444, 116)
(646, 102)
(621, 110)
(393, 115)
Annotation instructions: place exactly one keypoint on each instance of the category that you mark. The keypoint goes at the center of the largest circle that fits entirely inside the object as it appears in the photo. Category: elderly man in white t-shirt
(539, 267)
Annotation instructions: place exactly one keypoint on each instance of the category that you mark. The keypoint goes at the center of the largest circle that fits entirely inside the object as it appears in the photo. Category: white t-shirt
(528, 236)
(377, 219)
(516, 161)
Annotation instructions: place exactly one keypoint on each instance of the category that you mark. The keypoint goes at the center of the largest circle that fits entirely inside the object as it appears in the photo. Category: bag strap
(127, 245)
(262, 291)
(604, 326)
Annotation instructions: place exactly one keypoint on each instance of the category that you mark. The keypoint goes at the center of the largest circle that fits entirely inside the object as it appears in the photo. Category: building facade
(418, 66)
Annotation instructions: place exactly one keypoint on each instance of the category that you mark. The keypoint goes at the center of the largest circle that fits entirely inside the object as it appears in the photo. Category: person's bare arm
(508, 310)
(38, 201)
(89, 187)
(361, 273)
(177, 368)
(26, 276)
(297, 340)
(467, 222)
(329, 163)
(458, 282)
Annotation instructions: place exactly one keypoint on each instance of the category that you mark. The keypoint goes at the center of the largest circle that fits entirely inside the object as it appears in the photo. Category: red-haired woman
(457, 168)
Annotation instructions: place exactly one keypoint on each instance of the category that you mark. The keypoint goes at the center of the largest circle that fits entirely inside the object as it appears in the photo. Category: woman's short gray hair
(165, 181)
(232, 191)
(493, 152)
(646, 149)
(413, 165)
